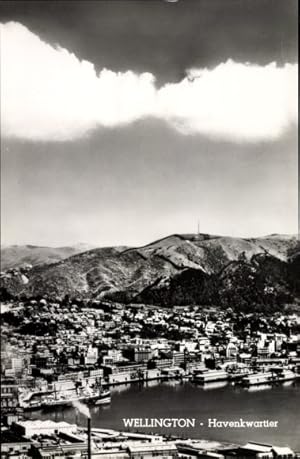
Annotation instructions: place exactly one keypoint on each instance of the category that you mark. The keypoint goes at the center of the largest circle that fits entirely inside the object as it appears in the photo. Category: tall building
(10, 409)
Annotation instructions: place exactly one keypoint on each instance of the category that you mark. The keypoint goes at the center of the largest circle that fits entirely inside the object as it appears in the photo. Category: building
(38, 427)
(125, 369)
(115, 355)
(164, 450)
(163, 363)
(14, 445)
(91, 356)
(9, 396)
(250, 451)
(178, 358)
(142, 354)
(231, 351)
(283, 452)
(193, 450)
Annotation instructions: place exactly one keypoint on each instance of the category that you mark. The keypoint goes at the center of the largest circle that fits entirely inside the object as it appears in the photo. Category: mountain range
(179, 269)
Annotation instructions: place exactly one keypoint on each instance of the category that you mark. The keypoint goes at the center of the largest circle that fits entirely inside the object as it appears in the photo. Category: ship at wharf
(36, 400)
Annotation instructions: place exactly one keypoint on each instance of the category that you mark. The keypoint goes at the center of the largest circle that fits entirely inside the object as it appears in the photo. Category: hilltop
(177, 269)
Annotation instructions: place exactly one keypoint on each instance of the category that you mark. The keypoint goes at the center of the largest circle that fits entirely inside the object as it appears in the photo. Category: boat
(31, 399)
(255, 379)
(214, 385)
(104, 399)
(87, 396)
(206, 376)
(31, 405)
(286, 375)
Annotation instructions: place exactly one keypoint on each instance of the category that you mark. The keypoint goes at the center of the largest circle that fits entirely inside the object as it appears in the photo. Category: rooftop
(282, 450)
(7, 436)
(260, 447)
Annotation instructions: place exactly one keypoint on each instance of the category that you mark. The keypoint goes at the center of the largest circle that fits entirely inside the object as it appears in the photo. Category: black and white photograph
(150, 254)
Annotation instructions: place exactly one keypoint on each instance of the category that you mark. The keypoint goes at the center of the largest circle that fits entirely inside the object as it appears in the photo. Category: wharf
(139, 380)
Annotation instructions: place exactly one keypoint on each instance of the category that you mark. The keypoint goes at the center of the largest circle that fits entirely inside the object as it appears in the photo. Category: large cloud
(49, 94)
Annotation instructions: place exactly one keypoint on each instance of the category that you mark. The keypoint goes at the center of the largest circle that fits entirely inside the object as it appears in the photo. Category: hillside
(95, 273)
(13, 256)
(178, 269)
(212, 253)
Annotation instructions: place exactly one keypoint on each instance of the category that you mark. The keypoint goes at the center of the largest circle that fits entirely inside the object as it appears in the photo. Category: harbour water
(213, 401)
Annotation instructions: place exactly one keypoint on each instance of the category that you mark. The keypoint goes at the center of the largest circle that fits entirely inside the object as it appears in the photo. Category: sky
(125, 121)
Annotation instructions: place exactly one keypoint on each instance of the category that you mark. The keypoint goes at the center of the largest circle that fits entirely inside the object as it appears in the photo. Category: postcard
(150, 279)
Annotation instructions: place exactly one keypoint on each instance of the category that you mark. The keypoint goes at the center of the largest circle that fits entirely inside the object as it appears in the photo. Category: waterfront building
(194, 367)
(178, 357)
(271, 362)
(257, 450)
(254, 450)
(30, 428)
(142, 354)
(122, 369)
(167, 450)
(283, 452)
(210, 376)
(194, 450)
(163, 363)
(115, 355)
